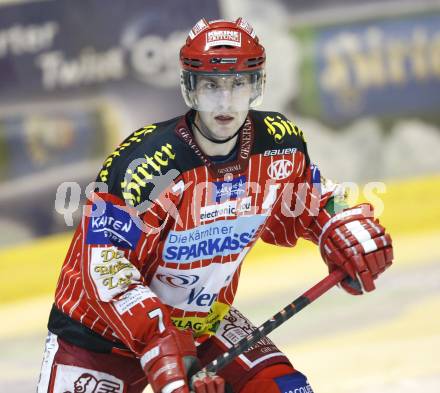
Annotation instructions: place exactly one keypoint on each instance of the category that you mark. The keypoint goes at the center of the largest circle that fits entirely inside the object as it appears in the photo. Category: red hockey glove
(167, 360)
(355, 242)
(208, 383)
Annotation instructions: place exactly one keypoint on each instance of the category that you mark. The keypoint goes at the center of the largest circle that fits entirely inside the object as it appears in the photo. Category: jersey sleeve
(305, 205)
(326, 199)
(119, 249)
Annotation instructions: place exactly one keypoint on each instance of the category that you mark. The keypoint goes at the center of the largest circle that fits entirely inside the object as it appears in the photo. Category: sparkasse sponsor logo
(220, 238)
(280, 169)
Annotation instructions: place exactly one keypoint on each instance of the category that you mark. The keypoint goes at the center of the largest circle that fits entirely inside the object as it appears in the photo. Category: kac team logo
(280, 169)
(178, 280)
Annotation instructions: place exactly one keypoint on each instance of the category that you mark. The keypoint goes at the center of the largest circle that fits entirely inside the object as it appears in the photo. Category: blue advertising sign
(34, 143)
(386, 67)
(75, 77)
(68, 45)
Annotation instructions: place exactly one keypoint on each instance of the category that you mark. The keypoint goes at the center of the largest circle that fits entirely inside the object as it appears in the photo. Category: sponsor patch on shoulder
(114, 227)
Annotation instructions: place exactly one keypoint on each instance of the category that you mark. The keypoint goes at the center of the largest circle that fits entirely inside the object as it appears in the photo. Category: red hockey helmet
(223, 49)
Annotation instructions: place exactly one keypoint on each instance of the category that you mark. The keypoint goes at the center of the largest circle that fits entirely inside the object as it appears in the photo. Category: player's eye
(240, 82)
(209, 85)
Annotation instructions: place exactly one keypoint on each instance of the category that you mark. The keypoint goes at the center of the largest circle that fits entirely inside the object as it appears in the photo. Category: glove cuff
(364, 210)
(163, 360)
(175, 343)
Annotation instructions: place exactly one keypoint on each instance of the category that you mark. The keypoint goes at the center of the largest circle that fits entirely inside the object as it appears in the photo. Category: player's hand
(169, 358)
(166, 360)
(207, 383)
(355, 242)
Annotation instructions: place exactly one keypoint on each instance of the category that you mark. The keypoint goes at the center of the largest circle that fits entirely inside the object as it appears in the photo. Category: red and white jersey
(165, 241)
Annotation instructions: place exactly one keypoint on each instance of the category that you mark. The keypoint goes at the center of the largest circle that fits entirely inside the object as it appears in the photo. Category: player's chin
(226, 131)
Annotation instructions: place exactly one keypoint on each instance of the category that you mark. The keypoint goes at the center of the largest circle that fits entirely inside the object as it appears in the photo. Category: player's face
(223, 102)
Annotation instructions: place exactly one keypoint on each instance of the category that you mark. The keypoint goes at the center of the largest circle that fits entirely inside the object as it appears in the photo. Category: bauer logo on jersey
(114, 227)
(280, 169)
(226, 190)
(280, 152)
(220, 238)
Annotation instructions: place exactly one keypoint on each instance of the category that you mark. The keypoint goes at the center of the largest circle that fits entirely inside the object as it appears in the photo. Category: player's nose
(225, 98)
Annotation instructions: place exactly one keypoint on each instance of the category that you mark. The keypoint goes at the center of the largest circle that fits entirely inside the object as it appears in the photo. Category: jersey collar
(246, 141)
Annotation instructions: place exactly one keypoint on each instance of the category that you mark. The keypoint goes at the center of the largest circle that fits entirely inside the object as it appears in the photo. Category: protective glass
(222, 92)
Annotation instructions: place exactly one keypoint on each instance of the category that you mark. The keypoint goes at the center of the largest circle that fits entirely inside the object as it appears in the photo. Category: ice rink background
(385, 342)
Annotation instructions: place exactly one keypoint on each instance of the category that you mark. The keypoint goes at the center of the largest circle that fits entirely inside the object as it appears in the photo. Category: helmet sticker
(246, 27)
(198, 28)
(223, 37)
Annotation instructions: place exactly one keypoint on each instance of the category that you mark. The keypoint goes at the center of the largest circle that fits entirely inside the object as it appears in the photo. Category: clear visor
(222, 92)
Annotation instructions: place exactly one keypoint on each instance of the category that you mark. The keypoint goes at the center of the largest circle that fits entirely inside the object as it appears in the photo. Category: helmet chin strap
(213, 140)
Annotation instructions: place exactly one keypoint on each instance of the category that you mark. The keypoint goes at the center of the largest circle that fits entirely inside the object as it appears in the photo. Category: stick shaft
(287, 312)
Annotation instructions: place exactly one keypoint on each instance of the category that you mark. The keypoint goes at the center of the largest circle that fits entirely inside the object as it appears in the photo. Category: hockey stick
(278, 319)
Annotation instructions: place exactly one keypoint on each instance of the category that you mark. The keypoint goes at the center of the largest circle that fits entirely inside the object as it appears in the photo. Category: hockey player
(146, 290)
